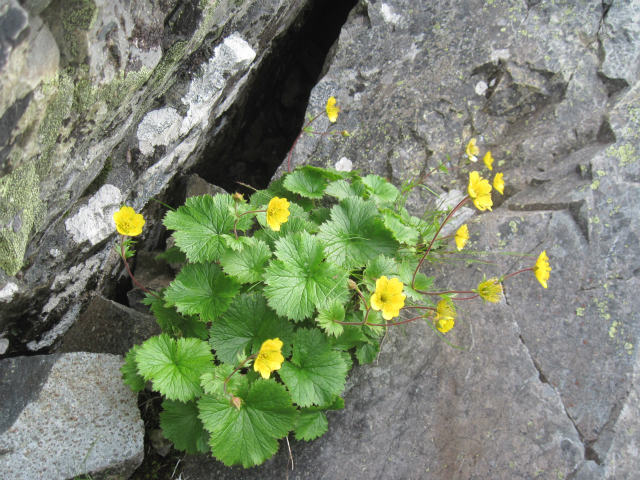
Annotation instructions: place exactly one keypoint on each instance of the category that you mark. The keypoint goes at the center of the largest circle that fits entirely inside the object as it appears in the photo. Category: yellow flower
(498, 183)
(332, 109)
(277, 213)
(445, 315)
(388, 297)
(128, 222)
(462, 236)
(490, 290)
(542, 268)
(269, 357)
(472, 150)
(488, 160)
(480, 191)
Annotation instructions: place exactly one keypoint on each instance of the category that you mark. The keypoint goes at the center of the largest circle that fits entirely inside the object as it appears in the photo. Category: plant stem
(133, 279)
(516, 273)
(226, 380)
(235, 224)
(413, 279)
(394, 323)
(465, 298)
(447, 292)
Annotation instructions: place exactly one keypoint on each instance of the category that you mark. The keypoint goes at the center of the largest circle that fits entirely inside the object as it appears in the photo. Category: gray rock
(72, 415)
(108, 327)
(620, 36)
(94, 221)
(406, 78)
(77, 94)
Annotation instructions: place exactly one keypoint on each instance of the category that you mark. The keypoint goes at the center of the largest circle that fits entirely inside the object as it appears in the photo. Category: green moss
(122, 87)
(168, 62)
(19, 197)
(626, 154)
(57, 111)
(69, 20)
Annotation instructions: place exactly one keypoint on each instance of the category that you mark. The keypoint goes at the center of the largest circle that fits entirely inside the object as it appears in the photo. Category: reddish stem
(226, 380)
(465, 298)
(516, 273)
(235, 224)
(447, 292)
(133, 279)
(394, 323)
(413, 279)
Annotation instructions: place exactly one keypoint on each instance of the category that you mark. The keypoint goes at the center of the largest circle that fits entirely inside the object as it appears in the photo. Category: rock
(71, 415)
(94, 222)
(105, 103)
(195, 185)
(153, 273)
(565, 135)
(108, 327)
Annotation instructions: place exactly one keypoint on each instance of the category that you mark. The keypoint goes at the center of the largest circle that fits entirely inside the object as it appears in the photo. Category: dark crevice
(255, 137)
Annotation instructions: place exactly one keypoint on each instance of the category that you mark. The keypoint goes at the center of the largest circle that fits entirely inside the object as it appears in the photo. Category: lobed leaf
(245, 325)
(248, 435)
(202, 289)
(129, 371)
(174, 366)
(355, 234)
(316, 373)
(200, 223)
(180, 424)
(248, 264)
(300, 280)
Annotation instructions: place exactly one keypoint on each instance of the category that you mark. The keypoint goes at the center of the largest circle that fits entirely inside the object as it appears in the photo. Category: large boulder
(67, 415)
(546, 386)
(104, 103)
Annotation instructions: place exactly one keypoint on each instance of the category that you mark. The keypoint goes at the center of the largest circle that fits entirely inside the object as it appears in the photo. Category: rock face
(109, 103)
(71, 415)
(104, 103)
(546, 386)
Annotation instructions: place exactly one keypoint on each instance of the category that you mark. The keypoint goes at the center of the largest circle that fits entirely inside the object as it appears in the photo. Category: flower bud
(352, 285)
(236, 402)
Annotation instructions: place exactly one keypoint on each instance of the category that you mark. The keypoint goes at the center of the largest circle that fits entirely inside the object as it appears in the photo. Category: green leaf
(307, 182)
(199, 225)
(342, 189)
(355, 234)
(353, 336)
(173, 323)
(174, 366)
(129, 371)
(311, 424)
(300, 280)
(402, 232)
(235, 244)
(367, 352)
(180, 424)
(328, 316)
(247, 265)
(378, 267)
(172, 255)
(248, 435)
(202, 289)
(213, 382)
(380, 190)
(316, 373)
(422, 282)
(247, 323)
